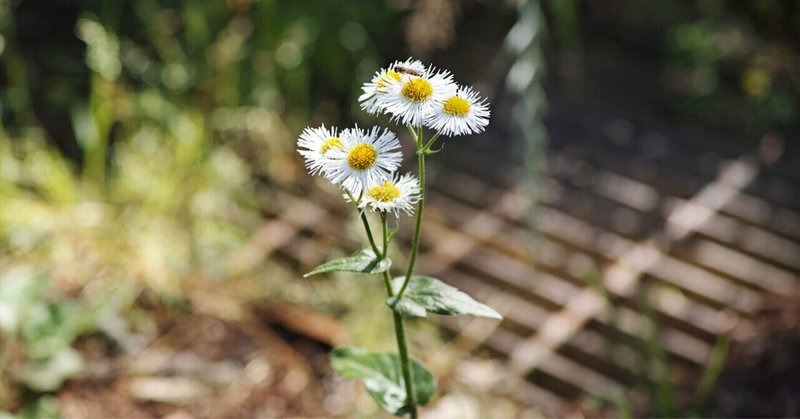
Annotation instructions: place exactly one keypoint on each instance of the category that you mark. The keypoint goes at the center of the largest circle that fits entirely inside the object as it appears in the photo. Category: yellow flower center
(456, 106)
(362, 156)
(383, 80)
(387, 192)
(330, 143)
(417, 90)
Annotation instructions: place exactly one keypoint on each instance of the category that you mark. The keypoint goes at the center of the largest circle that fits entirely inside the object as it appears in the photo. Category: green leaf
(382, 376)
(363, 261)
(427, 294)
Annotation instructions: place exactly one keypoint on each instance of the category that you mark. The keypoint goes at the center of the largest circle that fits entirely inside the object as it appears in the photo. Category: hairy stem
(398, 329)
(364, 220)
(420, 209)
(404, 364)
(369, 235)
(385, 235)
(387, 279)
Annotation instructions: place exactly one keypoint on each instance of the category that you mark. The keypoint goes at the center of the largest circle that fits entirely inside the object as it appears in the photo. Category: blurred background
(633, 209)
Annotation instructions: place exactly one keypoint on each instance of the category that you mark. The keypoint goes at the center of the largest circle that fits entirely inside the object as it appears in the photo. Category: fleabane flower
(315, 144)
(412, 98)
(365, 158)
(374, 89)
(464, 112)
(399, 193)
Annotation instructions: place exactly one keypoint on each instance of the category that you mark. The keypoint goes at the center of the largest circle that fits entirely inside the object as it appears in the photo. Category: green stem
(366, 225)
(404, 364)
(398, 329)
(413, 133)
(387, 282)
(418, 225)
(369, 234)
(431, 141)
(387, 279)
(385, 235)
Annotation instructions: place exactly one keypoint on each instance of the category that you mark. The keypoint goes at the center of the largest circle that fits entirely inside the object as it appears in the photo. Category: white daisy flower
(315, 144)
(367, 157)
(375, 88)
(395, 195)
(412, 98)
(465, 112)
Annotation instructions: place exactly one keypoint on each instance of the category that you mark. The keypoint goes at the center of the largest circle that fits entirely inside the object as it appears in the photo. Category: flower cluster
(365, 162)
(417, 95)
